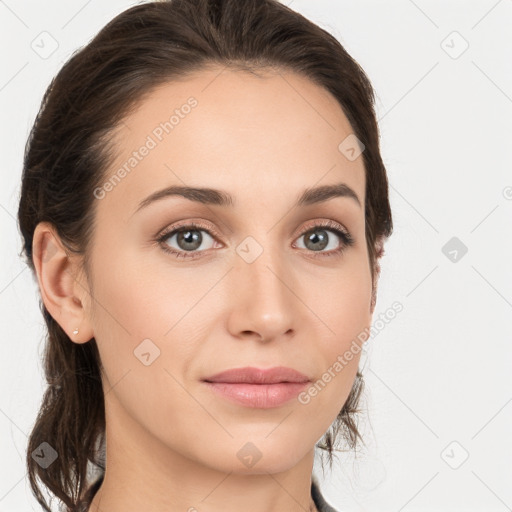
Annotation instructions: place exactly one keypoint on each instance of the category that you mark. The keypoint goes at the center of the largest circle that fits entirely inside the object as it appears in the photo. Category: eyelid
(186, 224)
(209, 227)
(327, 223)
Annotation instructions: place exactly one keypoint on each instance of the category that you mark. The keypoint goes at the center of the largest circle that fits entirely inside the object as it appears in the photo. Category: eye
(188, 238)
(317, 238)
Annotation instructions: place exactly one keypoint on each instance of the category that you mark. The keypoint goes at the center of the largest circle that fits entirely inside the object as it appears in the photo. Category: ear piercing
(75, 331)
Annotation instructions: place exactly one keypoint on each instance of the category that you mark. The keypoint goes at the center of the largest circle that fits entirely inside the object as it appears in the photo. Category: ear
(62, 293)
(379, 251)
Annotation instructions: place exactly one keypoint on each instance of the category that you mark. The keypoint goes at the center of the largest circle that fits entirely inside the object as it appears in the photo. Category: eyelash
(345, 236)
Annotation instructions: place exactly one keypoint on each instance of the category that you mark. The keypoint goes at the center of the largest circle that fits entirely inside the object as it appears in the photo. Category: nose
(263, 305)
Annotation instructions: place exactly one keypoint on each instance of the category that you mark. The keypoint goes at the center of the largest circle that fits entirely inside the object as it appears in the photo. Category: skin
(171, 444)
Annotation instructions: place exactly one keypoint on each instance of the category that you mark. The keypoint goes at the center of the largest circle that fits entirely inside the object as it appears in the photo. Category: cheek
(344, 307)
(137, 295)
(130, 308)
(147, 312)
(341, 300)
(145, 339)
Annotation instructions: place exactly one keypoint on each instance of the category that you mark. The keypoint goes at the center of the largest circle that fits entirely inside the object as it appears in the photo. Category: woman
(204, 205)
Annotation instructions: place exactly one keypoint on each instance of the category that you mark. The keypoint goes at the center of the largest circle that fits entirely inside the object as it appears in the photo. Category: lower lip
(263, 396)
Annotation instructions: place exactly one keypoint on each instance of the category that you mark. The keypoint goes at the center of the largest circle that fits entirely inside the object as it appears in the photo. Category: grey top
(318, 499)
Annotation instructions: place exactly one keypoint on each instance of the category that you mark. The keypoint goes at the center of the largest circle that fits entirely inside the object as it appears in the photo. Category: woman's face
(253, 291)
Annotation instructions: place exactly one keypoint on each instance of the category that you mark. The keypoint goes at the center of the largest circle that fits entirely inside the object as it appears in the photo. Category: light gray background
(439, 375)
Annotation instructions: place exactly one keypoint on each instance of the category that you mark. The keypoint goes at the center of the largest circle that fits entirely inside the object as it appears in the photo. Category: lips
(258, 388)
(251, 375)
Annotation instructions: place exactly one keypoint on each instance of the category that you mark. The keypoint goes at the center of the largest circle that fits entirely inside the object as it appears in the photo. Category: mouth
(253, 387)
(251, 375)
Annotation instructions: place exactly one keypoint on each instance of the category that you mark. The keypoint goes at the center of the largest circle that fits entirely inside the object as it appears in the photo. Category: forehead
(268, 136)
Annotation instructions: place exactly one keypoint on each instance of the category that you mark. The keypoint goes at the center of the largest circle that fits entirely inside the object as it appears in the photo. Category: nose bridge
(261, 263)
(263, 279)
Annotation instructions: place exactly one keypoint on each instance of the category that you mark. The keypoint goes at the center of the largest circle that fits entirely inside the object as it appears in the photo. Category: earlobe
(60, 289)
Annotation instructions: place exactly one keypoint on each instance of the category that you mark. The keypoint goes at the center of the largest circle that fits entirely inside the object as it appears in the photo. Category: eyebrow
(215, 197)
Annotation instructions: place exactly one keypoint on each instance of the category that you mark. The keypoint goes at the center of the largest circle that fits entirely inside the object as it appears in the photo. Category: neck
(127, 497)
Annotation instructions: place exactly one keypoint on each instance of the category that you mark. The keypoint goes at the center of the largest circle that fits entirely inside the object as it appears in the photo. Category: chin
(256, 455)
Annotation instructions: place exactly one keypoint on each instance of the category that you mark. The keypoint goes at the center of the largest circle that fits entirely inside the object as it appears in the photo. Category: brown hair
(67, 156)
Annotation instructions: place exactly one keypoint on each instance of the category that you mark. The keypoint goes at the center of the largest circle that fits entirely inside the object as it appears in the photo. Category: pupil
(319, 241)
(191, 239)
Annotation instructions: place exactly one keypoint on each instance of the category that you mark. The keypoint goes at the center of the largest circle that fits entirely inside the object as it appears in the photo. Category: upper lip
(250, 375)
